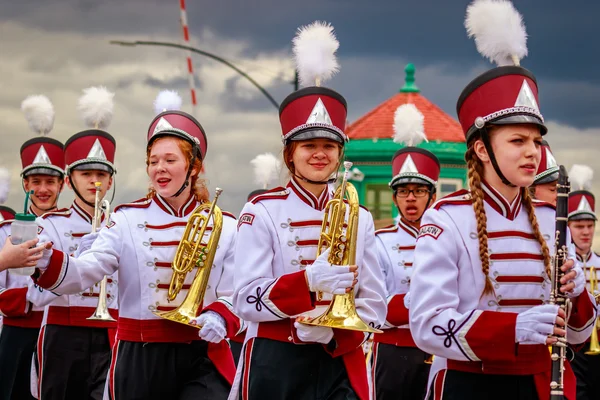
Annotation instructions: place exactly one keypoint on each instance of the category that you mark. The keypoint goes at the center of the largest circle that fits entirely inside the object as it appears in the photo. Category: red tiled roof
(378, 123)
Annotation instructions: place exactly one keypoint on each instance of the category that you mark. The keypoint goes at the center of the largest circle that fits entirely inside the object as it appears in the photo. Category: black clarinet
(556, 296)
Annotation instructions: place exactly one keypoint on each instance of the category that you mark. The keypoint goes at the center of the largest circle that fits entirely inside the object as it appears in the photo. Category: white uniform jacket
(22, 302)
(278, 233)
(65, 229)
(395, 250)
(449, 317)
(140, 242)
(586, 262)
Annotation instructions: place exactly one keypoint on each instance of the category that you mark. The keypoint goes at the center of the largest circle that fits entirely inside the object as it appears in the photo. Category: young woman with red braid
(481, 279)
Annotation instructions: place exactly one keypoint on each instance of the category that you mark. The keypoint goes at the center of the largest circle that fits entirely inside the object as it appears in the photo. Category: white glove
(213, 326)
(535, 324)
(325, 277)
(580, 283)
(85, 243)
(313, 334)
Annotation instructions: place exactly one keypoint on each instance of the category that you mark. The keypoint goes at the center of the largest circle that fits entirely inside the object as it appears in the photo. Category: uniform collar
(187, 207)
(584, 258)
(412, 231)
(309, 198)
(499, 202)
(83, 214)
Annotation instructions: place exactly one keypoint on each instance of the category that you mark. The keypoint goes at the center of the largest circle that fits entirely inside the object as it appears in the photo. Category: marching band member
(73, 353)
(22, 302)
(277, 275)
(544, 184)
(582, 223)
(482, 261)
(154, 358)
(398, 365)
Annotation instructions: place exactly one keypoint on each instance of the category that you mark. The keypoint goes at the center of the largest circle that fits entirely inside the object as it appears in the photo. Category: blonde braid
(474, 172)
(528, 203)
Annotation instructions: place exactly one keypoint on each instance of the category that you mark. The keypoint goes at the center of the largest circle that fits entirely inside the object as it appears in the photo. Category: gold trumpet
(341, 313)
(101, 313)
(594, 345)
(194, 252)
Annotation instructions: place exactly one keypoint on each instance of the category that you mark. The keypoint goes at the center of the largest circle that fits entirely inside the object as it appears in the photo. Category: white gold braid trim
(315, 125)
(177, 130)
(89, 160)
(507, 111)
(411, 175)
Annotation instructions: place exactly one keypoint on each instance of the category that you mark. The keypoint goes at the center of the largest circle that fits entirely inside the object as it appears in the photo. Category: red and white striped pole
(186, 39)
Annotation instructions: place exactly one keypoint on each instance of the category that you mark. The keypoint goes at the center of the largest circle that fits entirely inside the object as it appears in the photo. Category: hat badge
(42, 156)
(97, 151)
(319, 114)
(584, 205)
(550, 160)
(162, 125)
(409, 166)
(526, 97)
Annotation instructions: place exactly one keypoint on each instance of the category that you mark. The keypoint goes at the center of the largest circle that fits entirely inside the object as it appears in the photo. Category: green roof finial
(409, 81)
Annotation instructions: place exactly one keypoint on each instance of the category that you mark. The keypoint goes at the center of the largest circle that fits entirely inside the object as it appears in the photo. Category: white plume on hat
(39, 113)
(409, 128)
(266, 169)
(581, 177)
(498, 30)
(4, 184)
(96, 107)
(167, 100)
(314, 50)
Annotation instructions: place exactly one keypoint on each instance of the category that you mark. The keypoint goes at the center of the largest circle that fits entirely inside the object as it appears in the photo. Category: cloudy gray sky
(59, 47)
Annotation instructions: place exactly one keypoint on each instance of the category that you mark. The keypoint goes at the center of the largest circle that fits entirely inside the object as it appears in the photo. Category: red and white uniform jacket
(22, 302)
(278, 233)
(450, 318)
(395, 250)
(140, 242)
(65, 229)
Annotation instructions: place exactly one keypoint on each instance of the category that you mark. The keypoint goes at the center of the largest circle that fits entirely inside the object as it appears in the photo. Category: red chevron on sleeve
(491, 337)
(291, 295)
(13, 302)
(232, 321)
(582, 313)
(51, 276)
(397, 314)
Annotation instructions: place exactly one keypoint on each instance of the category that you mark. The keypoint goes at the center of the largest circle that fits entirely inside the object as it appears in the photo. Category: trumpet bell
(341, 314)
(180, 315)
(101, 312)
(101, 315)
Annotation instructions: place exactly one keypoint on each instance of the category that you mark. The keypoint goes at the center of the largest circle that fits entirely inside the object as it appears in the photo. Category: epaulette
(63, 212)
(229, 214)
(540, 203)
(387, 229)
(278, 193)
(6, 222)
(144, 202)
(461, 197)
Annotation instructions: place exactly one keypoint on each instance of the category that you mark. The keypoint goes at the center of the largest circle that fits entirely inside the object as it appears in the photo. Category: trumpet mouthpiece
(218, 191)
(98, 184)
(347, 165)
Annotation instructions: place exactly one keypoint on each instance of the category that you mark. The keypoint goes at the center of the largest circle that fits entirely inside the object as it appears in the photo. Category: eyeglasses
(403, 192)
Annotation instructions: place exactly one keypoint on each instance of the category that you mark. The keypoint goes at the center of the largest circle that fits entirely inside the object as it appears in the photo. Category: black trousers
(400, 372)
(279, 370)
(236, 350)
(174, 371)
(587, 371)
(469, 386)
(75, 362)
(16, 352)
